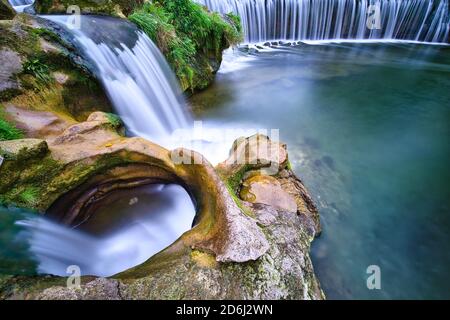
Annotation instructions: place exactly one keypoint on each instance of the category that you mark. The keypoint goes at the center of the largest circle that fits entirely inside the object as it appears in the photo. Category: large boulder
(236, 250)
(91, 158)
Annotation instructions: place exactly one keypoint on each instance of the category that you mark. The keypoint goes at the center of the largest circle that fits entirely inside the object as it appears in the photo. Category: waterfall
(21, 5)
(416, 20)
(16, 3)
(135, 75)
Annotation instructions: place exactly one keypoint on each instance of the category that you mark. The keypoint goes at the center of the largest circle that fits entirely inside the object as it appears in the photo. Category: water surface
(129, 228)
(367, 127)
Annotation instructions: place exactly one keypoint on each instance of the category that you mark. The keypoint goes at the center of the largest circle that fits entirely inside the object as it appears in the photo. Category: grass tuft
(8, 130)
(38, 69)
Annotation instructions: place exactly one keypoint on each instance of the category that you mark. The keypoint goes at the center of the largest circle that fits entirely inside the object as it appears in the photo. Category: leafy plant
(38, 69)
(29, 196)
(114, 120)
(8, 131)
(179, 51)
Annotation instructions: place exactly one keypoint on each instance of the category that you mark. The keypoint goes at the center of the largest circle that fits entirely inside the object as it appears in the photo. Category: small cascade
(415, 20)
(21, 5)
(127, 232)
(135, 75)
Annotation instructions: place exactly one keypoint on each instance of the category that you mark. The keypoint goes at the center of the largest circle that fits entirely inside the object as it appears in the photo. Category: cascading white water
(417, 20)
(21, 5)
(146, 222)
(16, 3)
(138, 80)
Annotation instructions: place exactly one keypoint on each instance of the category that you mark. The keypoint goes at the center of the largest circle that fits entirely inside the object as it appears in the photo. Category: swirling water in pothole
(367, 128)
(129, 228)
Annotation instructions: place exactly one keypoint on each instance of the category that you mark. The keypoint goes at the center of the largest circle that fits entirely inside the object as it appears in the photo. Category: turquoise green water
(367, 127)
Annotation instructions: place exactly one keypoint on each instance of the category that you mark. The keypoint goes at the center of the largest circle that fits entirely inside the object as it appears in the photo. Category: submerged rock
(236, 249)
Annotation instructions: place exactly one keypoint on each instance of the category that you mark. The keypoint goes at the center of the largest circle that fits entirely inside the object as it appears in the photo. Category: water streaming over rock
(417, 20)
(146, 95)
(21, 5)
(132, 228)
(138, 80)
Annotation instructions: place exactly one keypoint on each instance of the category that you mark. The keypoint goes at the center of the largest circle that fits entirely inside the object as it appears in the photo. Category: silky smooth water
(367, 128)
(21, 5)
(126, 231)
(262, 20)
(135, 75)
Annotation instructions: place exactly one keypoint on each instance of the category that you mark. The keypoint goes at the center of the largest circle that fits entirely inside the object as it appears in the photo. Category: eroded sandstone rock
(267, 190)
(236, 250)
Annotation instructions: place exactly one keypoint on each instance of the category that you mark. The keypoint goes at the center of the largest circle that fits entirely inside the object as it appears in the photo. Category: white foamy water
(21, 5)
(419, 20)
(127, 233)
(137, 79)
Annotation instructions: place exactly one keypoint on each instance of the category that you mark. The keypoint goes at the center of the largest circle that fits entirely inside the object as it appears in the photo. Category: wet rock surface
(41, 72)
(236, 250)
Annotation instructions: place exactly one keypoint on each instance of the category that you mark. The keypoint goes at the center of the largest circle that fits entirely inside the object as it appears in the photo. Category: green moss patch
(191, 38)
(8, 130)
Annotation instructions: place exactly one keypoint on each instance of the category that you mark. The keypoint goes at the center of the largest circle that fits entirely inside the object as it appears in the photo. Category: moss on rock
(8, 130)
(191, 37)
(41, 72)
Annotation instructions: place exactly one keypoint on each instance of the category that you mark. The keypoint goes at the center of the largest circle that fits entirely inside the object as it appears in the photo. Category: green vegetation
(238, 201)
(55, 80)
(289, 165)
(38, 69)
(29, 196)
(8, 130)
(189, 36)
(114, 120)
(47, 35)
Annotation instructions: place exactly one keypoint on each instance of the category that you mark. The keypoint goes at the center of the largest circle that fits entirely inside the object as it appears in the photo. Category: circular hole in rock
(126, 228)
